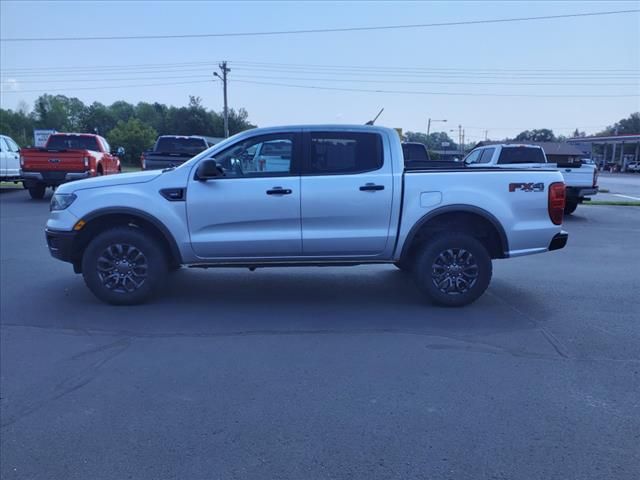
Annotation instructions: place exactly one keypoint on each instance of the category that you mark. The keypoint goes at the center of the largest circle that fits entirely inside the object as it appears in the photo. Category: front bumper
(61, 244)
(53, 178)
(558, 241)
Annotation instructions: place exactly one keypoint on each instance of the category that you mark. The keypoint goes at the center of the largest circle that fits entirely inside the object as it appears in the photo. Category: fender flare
(134, 212)
(458, 208)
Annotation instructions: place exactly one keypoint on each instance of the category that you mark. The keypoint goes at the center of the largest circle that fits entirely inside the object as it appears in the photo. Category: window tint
(191, 146)
(473, 157)
(3, 146)
(487, 153)
(12, 145)
(259, 156)
(106, 146)
(344, 153)
(72, 142)
(414, 152)
(521, 155)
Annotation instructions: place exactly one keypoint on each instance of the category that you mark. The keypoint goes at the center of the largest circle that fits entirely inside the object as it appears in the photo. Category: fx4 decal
(527, 187)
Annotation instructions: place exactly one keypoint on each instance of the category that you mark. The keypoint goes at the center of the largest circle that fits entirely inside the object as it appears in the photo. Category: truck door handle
(279, 191)
(371, 187)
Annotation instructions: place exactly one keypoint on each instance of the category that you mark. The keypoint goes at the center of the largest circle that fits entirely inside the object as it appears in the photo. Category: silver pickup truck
(335, 195)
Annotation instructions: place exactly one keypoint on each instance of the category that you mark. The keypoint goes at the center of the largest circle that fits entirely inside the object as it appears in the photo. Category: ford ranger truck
(335, 195)
(581, 180)
(66, 157)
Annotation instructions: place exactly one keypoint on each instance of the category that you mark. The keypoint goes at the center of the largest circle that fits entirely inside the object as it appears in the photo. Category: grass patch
(10, 185)
(604, 202)
(130, 168)
(603, 190)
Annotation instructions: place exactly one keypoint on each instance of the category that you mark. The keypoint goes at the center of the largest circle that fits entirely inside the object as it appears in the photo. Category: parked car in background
(67, 157)
(9, 160)
(580, 179)
(336, 195)
(173, 150)
(634, 167)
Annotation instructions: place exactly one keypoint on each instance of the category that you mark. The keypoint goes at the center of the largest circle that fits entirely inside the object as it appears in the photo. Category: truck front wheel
(37, 191)
(453, 269)
(124, 266)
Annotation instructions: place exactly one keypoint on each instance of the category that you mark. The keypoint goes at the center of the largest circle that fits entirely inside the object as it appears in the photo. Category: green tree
(97, 118)
(539, 135)
(629, 125)
(59, 112)
(18, 125)
(434, 141)
(134, 136)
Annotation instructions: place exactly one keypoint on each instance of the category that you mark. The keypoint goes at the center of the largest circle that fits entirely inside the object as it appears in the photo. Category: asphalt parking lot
(324, 373)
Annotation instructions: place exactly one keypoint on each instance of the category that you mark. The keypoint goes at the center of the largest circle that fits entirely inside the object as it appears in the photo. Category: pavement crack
(33, 400)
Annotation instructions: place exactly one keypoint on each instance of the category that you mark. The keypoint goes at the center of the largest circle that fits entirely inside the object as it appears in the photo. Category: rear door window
(486, 156)
(342, 153)
(72, 142)
(510, 155)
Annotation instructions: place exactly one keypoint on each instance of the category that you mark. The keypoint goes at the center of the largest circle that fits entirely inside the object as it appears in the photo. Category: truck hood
(109, 181)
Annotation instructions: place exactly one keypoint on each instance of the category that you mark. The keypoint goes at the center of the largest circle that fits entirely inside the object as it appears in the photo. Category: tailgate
(55, 160)
(577, 176)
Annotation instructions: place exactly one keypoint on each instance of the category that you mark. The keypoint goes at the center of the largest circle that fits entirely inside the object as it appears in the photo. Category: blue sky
(603, 52)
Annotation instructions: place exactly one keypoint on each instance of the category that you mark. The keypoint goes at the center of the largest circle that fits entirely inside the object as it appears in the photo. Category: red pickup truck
(66, 157)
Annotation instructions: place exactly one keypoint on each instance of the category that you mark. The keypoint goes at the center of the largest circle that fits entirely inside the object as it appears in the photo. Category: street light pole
(429, 125)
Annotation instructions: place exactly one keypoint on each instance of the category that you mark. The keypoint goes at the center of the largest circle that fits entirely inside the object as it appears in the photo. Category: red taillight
(21, 161)
(142, 161)
(557, 197)
(86, 162)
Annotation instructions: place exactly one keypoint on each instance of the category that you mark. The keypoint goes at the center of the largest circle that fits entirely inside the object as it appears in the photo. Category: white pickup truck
(343, 197)
(581, 180)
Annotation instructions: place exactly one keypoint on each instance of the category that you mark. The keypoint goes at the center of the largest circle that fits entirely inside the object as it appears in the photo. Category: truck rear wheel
(453, 269)
(124, 266)
(37, 192)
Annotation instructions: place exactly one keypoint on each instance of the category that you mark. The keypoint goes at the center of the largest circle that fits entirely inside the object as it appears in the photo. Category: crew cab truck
(9, 160)
(343, 198)
(173, 150)
(581, 180)
(66, 157)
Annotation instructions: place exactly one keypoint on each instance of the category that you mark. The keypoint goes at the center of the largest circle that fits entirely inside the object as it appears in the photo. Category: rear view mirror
(208, 169)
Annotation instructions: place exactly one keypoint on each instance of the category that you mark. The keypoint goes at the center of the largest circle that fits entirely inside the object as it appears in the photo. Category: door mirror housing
(208, 169)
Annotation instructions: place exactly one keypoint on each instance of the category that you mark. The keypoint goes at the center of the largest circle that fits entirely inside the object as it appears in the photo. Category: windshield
(72, 142)
(190, 146)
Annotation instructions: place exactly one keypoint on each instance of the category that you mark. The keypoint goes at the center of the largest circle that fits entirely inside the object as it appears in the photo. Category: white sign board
(40, 137)
(445, 144)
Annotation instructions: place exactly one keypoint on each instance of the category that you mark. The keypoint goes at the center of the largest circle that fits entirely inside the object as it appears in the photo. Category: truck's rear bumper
(581, 192)
(559, 241)
(52, 178)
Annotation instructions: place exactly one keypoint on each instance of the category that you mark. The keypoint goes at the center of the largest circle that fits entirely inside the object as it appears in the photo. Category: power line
(345, 80)
(317, 87)
(104, 87)
(318, 30)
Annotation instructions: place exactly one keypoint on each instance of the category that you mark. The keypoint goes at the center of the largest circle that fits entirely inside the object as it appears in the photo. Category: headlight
(60, 201)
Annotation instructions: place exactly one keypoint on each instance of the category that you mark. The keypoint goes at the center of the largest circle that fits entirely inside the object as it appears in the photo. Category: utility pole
(486, 135)
(223, 77)
(460, 138)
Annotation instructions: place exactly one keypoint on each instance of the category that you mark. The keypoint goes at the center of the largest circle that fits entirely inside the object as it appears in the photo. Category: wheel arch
(459, 218)
(103, 219)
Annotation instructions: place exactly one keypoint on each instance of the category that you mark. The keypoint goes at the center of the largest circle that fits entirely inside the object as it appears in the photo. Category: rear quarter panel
(523, 214)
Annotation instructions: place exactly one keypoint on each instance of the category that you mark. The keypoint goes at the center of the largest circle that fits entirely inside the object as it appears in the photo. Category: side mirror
(208, 169)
